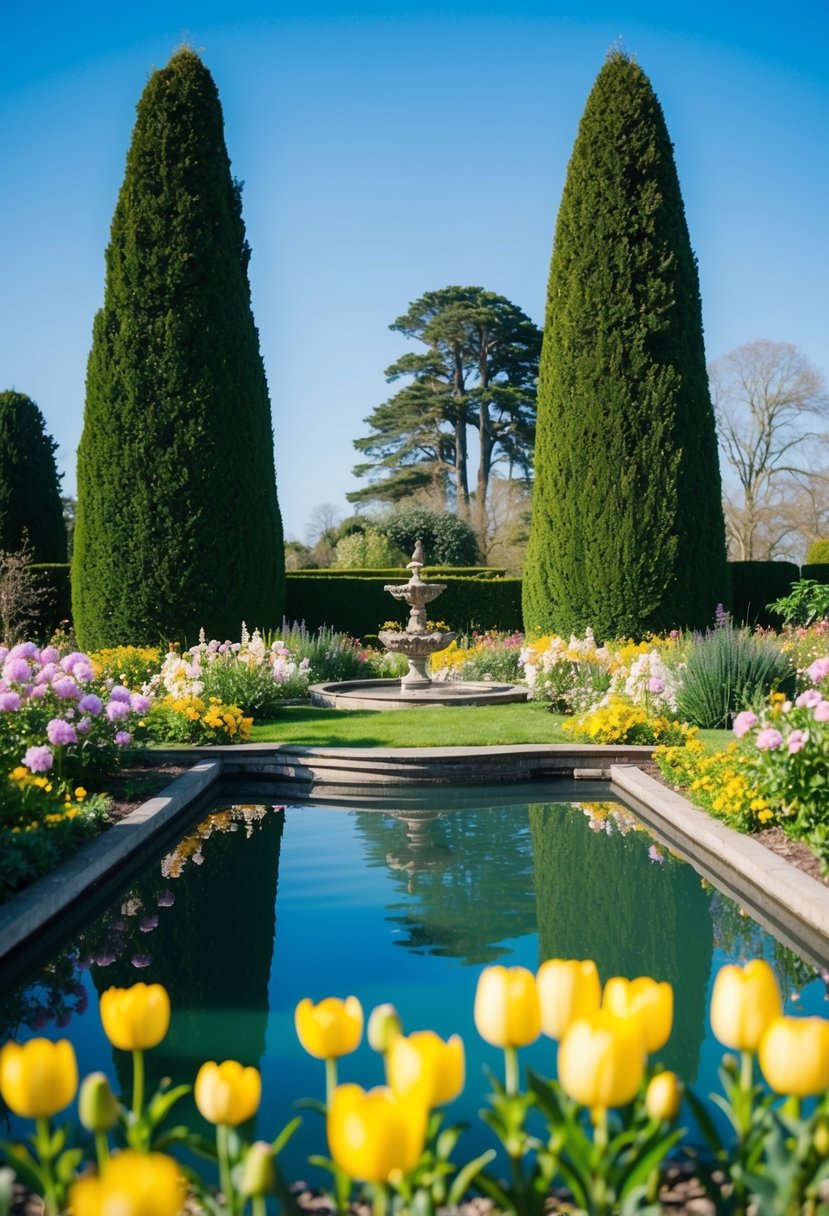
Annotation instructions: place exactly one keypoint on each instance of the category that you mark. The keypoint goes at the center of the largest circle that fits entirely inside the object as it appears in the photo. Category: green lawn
(426, 726)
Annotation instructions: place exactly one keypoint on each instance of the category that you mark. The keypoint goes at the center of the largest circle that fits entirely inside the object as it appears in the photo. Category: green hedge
(818, 552)
(401, 575)
(756, 584)
(819, 571)
(358, 606)
(57, 604)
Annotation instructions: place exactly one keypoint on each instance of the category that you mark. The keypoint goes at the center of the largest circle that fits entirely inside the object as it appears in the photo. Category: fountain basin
(394, 694)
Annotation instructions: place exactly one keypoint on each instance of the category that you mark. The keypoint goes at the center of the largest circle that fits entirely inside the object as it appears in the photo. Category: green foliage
(357, 606)
(177, 518)
(57, 600)
(807, 601)
(728, 670)
(447, 540)
(396, 573)
(30, 503)
(627, 532)
(754, 585)
(359, 550)
(819, 571)
(818, 553)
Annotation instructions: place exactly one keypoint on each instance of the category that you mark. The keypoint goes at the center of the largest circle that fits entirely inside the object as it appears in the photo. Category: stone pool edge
(776, 882)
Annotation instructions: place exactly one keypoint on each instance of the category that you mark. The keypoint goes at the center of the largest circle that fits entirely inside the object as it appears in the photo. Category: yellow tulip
(98, 1107)
(135, 1018)
(258, 1171)
(38, 1078)
(384, 1025)
(227, 1093)
(568, 989)
(601, 1059)
(507, 1009)
(644, 997)
(663, 1096)
(374, 1134)
(331, 1029)
(422, 1066)
(794, 1056)
(131, 1184)
(744, 1001)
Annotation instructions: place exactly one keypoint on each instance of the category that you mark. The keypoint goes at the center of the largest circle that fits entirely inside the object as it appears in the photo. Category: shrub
(30, 505)
(818, 553)
(447, 540)
(728, 669)
(806, 602)
(370, 547)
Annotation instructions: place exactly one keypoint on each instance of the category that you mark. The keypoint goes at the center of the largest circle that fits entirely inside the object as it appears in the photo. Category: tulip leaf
(446, 1141)
(285, 1135)
(466, 1176)
(57, 1142)
(704, 1123)
(67, 1164)
(311, 1104)
(182, 1135)
(490, 1186)
(163, 1101)
(650, 1160)
(325, 1162)
(575, 1184)
(24, 1165)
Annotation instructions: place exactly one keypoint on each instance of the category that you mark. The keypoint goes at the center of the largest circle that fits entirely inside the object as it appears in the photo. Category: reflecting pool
(261, 905)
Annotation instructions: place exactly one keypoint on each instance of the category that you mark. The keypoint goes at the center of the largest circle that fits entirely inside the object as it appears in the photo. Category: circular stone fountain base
(392, 694)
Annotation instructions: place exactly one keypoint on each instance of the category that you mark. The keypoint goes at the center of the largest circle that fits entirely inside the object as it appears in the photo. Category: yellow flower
(644, 998)
(424, 1067)
(384, 1025)
(663, 1096)
(567, 989)
(331, 1029)
(135, 1018)
(744, 1001)
(227, 1093)
(38, 1078)
(507, 1008)
(80, 793)
(374, 1135)
(97, 1104)
(259, 1171)
(794, 1055)
(131, 1184)
(601, 1060)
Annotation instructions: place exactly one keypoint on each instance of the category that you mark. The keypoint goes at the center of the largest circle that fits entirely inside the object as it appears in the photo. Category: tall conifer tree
(30, 503)
(627, 532)
(178, 524)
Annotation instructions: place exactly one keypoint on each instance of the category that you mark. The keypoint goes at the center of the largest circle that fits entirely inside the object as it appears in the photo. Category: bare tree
(772, 412)
(22, 594)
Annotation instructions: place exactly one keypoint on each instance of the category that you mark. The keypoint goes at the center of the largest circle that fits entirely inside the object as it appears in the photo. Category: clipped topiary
(447, 540)
(818, 553)
(30, 506)
(177, 520)
(627, 530)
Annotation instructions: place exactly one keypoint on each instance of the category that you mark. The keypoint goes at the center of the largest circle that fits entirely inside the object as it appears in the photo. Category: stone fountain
(417, 642)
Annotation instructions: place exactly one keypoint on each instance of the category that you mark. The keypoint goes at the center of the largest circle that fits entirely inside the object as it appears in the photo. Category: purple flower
(821, 712)
(768, 739)
(60, 732)
(84, 726)
(139, 703)
(4, 653)
(117, 710)
(90, 704)
(24, 650)
(148, 923)
(119, 693)
(105, 960)
(9, 702)
(38, 692)
(48, 673)
(49, 655)
(66, 689)
(796, 741)
(38, 759)
(123, 737)
(655, 684)
(141, 960)
(818, 671)
(17, 670)
(810, 698)
(166, 899)
(655, 855)
(744, 722)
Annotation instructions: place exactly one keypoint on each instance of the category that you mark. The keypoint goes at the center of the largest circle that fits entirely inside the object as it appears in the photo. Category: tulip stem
(380, 1204)
(600, 1140)
(258, 1206)
(43, 1138)
(511, 1074)
(330, 1080)
(225, 1179)
(137, 1082)
(101, 1149)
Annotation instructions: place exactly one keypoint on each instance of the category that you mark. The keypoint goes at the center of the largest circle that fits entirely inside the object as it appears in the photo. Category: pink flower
(656, 685)
(139, 703)
(123, 737)
(744, 722)
(38, 759)
(796, 741)
(17, 670)
(9, 702)
(49, 655)
(810, 698)
(117, 710)
(818, 671)
(119, 693)
(60, 732)
(768, 739)
(821, 712)
(66, 689)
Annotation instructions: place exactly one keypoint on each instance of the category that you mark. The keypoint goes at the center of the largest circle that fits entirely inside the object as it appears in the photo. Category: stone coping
(794, 906)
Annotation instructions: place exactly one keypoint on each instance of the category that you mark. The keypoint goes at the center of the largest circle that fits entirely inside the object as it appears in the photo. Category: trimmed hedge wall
(819, 571)
(398, 575)
(756, 584)
(358, 606)
(57, 605)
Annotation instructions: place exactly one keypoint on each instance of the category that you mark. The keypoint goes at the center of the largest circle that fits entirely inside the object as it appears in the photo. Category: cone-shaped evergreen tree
(29, 483)
(627, 532)
(177, 521)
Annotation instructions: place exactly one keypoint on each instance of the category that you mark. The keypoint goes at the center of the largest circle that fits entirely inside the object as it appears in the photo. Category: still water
(262, 905)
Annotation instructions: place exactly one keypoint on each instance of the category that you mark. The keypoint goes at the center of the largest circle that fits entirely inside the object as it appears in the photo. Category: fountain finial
(417, 557)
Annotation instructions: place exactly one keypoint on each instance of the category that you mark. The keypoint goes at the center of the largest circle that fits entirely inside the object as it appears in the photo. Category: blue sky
(389, 149)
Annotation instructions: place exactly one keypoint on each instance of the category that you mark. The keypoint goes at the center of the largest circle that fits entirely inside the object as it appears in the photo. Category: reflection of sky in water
(407, 911)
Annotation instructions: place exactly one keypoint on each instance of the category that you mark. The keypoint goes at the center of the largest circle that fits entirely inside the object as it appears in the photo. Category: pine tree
(177, 524)
(30, 506)
(627, 532)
